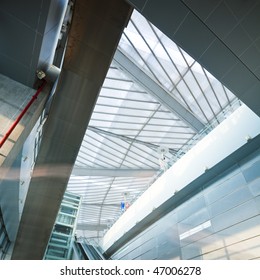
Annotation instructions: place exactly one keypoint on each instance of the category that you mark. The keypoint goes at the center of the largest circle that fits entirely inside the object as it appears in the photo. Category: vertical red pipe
(22, 113)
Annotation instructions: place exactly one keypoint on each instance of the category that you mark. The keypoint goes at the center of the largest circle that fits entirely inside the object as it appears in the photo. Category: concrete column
(95, 31)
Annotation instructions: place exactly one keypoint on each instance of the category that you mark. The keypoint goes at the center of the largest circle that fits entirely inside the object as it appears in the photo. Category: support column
(96, 28)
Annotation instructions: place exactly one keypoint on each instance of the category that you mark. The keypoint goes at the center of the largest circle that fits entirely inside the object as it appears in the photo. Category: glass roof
(130, 126)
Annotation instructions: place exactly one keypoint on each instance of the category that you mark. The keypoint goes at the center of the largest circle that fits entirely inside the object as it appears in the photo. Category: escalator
(88, 251)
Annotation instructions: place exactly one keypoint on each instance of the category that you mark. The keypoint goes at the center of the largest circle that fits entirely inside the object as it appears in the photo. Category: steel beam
(82, 171)
(128, 139)
(157, 91)
(94, 35)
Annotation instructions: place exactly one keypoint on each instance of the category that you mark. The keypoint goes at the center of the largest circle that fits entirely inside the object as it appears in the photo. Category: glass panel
(211, 243)
(149, 255)
(190, 251)
(190, 207)
(241, 231)
(193, 220)
(254, 187)
(169, 235)
(257, 200)
(68, 210)
(197, 233)
(245, 250)
(235, 215)
(252, 172)
(56, 251)
(220, 254)
(65, 219)
(226, 187)
(230, 201)
(167, 252)
(62, 229)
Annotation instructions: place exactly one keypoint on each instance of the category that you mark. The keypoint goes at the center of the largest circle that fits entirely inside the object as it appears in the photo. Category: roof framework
(133, 121)
(157, 91)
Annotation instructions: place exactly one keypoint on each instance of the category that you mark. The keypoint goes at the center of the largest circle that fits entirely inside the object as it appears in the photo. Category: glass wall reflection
(220, 222)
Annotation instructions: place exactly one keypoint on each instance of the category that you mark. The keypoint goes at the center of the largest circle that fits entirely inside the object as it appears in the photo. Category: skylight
(119, 156)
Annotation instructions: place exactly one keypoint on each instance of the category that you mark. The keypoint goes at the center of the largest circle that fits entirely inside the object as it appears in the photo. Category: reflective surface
(221, 222)
(4, 239)
(62, 236)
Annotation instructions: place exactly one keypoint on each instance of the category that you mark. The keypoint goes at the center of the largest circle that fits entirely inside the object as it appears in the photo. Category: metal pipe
(34, 97)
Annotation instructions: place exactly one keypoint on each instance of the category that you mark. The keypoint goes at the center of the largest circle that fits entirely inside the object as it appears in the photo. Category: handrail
(91, 248)
(34, 97)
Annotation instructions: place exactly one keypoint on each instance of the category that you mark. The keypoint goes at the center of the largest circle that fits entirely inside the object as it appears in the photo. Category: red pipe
(22, 113)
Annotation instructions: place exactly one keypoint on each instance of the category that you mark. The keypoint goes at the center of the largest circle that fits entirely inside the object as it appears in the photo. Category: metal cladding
(95, 31)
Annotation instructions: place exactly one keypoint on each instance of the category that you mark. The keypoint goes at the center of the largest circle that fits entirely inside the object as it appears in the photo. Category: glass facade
(4, 239)
(62, 237)
(220, 222)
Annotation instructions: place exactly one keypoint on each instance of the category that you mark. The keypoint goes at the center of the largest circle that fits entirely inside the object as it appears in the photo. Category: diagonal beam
(83, 171)
(159, 93)
(93, 37)
(127, 139)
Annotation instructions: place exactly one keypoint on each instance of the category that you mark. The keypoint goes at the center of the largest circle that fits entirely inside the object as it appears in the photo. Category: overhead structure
(130, 172)
(112, 140)
(223, 36)
(140, 77)
(95, 31)
(120, 152)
